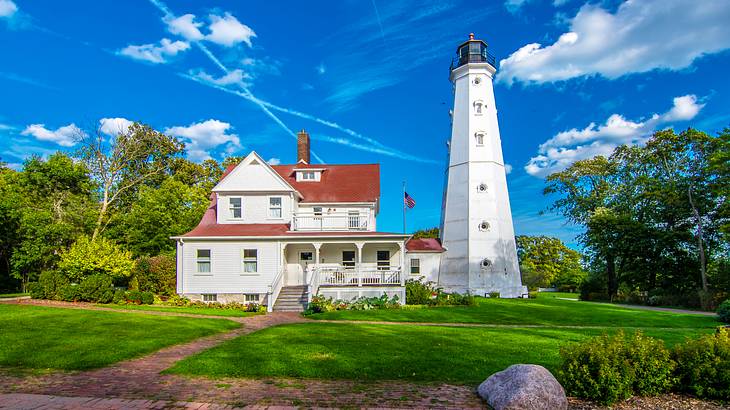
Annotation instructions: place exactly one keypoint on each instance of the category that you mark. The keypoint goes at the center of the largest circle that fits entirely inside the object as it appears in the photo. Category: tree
(545, 261)
(426, 233)
(121, 164)
(159, 213)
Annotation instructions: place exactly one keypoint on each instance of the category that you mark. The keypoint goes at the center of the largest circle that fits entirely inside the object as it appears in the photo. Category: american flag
(408, 201)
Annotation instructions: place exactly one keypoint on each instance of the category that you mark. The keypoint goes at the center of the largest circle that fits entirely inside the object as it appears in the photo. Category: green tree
(426, 233)
(546, 261)
(159, 213)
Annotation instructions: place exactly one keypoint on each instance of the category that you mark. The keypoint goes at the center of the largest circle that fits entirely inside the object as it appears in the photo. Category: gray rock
(523, 387)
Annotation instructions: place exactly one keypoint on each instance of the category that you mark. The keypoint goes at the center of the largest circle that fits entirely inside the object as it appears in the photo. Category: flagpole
(404, 206)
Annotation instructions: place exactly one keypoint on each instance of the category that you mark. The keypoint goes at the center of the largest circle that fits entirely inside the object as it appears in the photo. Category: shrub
(68, 293)
(156, 274)
(532, 294)
(419, 292)
(146, 298)
(49, 282)
(723, 312)
(494, 295)
(611, 368)
(96, 288)
(133, 296)
(320, 304)
(703, 365)
(120, 297)
(100, 256)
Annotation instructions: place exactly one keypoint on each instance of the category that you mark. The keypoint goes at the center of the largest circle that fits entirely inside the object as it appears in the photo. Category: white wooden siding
(255, 208)
(430, 262)
(226, 273)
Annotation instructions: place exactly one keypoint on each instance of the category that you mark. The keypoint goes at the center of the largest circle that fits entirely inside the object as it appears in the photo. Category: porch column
(316, 245)
(358, 262)
(401, 245)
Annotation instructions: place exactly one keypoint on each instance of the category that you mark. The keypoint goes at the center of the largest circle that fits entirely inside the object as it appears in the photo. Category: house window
(235, 207)
(308, 176)
(203, 260)
(383, 260)
(317, 212)
(306, 257)
(210, 297)
(250, 261)
(479, 136)
(415, 266)
(348, 259)
(250, 297)
(353, 219)
(275, 207)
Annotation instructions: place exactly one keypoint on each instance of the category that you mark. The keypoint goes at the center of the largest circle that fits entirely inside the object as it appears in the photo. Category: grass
(13, 295)
(43, 338)
(183, 309)
(391, 352)
(418, 353)
(548, 310)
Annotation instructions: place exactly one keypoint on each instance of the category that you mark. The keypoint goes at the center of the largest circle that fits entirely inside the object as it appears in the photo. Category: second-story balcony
(335, 221)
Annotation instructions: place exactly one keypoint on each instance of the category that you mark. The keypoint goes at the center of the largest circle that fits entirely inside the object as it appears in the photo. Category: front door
(295, 277)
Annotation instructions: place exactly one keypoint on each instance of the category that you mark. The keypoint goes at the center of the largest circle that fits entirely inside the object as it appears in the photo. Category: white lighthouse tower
(476, 220)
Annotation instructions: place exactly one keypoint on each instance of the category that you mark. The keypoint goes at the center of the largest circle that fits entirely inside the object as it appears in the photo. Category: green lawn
(390, 352)
(12, 295)
(182, 309)
(37, 338)
(547, 309)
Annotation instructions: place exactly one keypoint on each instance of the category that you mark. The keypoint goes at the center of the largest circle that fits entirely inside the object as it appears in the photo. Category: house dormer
(308, 174)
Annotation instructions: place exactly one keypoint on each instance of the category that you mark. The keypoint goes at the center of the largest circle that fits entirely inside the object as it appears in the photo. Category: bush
(146, 298)
(494, 295)
(156, 274)
(703, 365)
(133, 296)
(48, 285)
(419, 292)
(321, 304)
(532, 294)
(100, 256)
(97, 289)
(723, 312)
(68, 293)
(607, 369)
(120, 297)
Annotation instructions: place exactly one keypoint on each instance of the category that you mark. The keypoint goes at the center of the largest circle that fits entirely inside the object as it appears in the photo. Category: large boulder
(523, 387)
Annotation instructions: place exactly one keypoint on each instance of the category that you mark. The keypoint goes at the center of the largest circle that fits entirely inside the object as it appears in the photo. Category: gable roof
(339, 183)
(263, 177)
(424, 245)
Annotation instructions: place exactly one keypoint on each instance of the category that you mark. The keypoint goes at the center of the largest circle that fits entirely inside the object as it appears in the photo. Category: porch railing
(340, 276)
(275, 288)
(342, 221)
(315, 279)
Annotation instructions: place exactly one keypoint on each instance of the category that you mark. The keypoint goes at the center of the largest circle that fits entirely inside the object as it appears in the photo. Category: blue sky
(368, 80)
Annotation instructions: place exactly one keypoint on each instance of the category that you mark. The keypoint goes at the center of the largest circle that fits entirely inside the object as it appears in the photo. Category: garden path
(139, 383)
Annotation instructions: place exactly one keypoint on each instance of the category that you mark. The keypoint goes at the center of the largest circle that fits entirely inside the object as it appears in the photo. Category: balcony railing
(330, 222)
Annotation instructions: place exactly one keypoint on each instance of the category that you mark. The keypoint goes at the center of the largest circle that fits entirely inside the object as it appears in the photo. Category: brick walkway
(138, 383)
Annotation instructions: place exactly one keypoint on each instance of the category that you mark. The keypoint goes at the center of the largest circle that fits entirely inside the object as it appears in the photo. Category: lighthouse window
(486, 263)
(477, 81)
(478, 105)
(480, 138)
(482, 187)
(484, 226)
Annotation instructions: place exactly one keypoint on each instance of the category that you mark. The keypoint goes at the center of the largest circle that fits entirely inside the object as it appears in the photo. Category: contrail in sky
(169, 15)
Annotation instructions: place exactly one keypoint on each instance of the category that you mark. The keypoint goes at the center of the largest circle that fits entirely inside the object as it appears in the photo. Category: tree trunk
(611, 275)
(102, 213)
(700, 242)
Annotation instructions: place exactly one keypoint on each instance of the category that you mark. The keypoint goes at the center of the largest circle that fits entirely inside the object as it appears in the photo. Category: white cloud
(321, 69)
(566, 147)
(154, 53)
(185, 26)
(228, 31)
(7, 8)
(202, 137)
(64, 136)
(641, 36)
(236, 76)
(513, 6)
(114, 126)
(507, 169)
(274, 161)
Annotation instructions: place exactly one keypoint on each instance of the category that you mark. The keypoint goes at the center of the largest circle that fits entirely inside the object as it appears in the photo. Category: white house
(279, 234)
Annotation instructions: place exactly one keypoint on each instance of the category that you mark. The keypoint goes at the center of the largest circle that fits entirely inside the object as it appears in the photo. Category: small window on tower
(484, 226)
(477, 80)
(479, 136)
(482, 187)
(478, 107)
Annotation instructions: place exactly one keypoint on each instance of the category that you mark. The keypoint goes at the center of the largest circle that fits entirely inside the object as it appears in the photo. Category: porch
(342, 269)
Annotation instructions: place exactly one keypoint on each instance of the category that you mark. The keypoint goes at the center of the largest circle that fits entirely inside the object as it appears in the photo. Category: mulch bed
(663, 402)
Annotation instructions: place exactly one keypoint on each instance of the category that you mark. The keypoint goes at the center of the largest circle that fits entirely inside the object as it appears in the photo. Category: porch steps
(291, 299)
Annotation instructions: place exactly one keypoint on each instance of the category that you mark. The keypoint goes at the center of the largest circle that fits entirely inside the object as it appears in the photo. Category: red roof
(339, 183)
(424, 245)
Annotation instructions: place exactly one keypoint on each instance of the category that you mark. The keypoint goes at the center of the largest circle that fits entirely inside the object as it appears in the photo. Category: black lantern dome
(472, 51)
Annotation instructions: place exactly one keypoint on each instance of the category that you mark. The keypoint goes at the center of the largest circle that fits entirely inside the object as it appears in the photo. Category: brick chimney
(303, 147)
